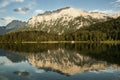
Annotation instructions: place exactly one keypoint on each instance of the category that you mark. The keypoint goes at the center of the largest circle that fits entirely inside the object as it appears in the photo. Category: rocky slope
(64, 20)
(116, 15)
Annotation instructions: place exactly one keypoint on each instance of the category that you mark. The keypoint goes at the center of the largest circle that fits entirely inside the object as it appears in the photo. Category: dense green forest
(109, 30)
(102, 31)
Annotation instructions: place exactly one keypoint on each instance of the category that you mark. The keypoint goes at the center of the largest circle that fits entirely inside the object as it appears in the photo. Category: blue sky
(25, 9)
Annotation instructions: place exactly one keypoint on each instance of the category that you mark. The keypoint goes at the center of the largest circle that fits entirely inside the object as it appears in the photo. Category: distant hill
(15, 24)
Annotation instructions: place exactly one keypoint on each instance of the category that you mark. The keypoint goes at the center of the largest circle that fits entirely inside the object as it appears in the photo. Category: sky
(25, 9)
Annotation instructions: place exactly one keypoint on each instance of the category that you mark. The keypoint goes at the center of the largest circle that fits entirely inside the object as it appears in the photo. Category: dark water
(59, 62)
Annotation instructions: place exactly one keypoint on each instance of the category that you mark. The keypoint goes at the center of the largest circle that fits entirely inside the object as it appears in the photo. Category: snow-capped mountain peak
(68, 13)
(64, 20)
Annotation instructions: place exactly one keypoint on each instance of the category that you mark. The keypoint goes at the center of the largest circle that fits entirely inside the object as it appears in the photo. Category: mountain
(61, 21)
(101, 31)
(15, 24)
(3, 30)
(111, 25)
(116, 15)
(66, 24)
(64, 20)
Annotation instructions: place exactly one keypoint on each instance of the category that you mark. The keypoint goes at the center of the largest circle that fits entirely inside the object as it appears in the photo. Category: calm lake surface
(59, 61)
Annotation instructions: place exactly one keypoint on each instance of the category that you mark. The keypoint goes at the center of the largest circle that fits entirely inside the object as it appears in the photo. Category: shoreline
(35, 42)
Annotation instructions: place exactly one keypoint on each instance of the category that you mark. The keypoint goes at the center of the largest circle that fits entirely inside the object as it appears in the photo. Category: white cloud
(116, 4)
(117, 0)
(110, 11)
(4, 3)
(102, 11)
(18, 0)
(39, 11)
(31, 4)
(8, 19)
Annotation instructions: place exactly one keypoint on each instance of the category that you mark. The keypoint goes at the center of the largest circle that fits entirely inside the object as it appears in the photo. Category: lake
(60, 61)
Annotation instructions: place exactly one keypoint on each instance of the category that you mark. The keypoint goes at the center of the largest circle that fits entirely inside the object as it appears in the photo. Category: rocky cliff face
(64, 20)
(67, 13)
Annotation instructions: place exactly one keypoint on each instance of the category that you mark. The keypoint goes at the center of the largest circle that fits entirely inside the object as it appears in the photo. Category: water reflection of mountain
(69, 58)
(64, 61)
(11, 56)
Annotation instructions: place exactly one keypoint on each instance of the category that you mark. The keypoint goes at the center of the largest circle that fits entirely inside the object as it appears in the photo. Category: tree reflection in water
(68, 59)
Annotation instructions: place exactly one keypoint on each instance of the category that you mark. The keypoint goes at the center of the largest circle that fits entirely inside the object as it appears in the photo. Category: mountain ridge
(61, 21)
(64, 20)
(13, 25)
(68, 11)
